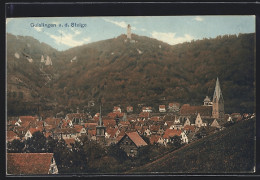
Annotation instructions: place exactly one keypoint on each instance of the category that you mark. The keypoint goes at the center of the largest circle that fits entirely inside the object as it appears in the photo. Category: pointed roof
(217, 92)
(136, 138)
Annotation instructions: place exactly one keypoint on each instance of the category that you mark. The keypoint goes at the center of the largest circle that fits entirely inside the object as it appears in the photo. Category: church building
(218, 103)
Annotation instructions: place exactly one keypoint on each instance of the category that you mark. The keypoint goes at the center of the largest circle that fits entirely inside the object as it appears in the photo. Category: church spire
(218, 102)
(217, 92)
(100, 122)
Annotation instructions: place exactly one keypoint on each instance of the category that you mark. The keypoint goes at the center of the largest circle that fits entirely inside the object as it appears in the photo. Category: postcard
(126, 95)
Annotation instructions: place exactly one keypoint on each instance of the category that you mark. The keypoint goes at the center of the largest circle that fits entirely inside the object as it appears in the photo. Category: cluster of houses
(127, 129)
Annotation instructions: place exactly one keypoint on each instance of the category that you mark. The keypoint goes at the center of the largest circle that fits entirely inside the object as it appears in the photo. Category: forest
(117, 72)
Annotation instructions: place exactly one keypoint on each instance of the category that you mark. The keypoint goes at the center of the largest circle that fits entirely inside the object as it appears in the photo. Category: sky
(170, 29)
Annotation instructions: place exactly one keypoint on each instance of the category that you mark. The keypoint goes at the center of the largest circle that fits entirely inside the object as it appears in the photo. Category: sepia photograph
(130, 95)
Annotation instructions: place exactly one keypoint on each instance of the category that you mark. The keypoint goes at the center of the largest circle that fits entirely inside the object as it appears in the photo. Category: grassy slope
(228, 151)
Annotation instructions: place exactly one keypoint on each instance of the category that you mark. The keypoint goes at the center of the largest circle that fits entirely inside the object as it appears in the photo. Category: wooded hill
(146, 71)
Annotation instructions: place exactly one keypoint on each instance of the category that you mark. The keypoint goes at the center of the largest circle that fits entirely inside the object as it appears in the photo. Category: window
(126, 142)
(131, 151)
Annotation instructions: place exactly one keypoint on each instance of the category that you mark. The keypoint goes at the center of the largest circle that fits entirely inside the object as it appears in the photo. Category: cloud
(170, 37)
(39, 29)
(76, 32)
(121, 24)
(143, 29)
(198, 18)
(68, 39)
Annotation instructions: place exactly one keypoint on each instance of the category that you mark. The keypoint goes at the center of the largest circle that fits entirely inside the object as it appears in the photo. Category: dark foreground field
(227, 151)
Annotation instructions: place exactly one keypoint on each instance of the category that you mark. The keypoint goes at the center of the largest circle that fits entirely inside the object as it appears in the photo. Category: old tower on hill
(128, 33)
(218, 102)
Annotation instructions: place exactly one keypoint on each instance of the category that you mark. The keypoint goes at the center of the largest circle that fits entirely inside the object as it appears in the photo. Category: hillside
(146, 71)
(227, 151)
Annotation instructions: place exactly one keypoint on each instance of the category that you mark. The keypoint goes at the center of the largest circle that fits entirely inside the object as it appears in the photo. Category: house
(188, 110)
(31, 164)
(144, 115)
(109, 122)
(168, 124)
(54, 122)
(111, 135)
(162, 108)
(66, 133)
(10, 136)
(23, 119)
(161, 141)
(169, 133)
(207, 102)
(189, 129)
(131, 142)
(236, 116)
(111, 132)
(30, 132)
(198, 121)
(184, 138)
(80, 130)
(154, 139)
(78, 118)
(129, 109)
(155, 118)
(215, 124)
(174, 107)
(177, 120)
(147, 109)
(229, 119)
(117, 109)
(147, 132)
(187, 122)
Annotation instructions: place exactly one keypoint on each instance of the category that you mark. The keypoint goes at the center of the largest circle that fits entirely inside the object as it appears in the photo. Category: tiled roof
(144, 114)
(136, 138)
(109, 122)
(115, 114)
(28, 118)
(189, 128)
(91, 125)
(33, 130)
(147, 108)
(154, 138)
(193, 110)
(77, 115)
(11, 135)
(154, 128)
(171, 133)
(155, 118)
(92, 132)
(112, 131)
(28, 163)
(174, 104)
(52, 121)
(78, 128)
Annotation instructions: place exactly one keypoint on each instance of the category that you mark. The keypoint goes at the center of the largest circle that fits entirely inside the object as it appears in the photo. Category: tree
(115, 151)
(16, 146)
(176, 140)
(37, 143)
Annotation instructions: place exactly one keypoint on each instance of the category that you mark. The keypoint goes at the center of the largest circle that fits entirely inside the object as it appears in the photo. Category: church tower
(218, 103)
(100, 130)
(128, 33)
